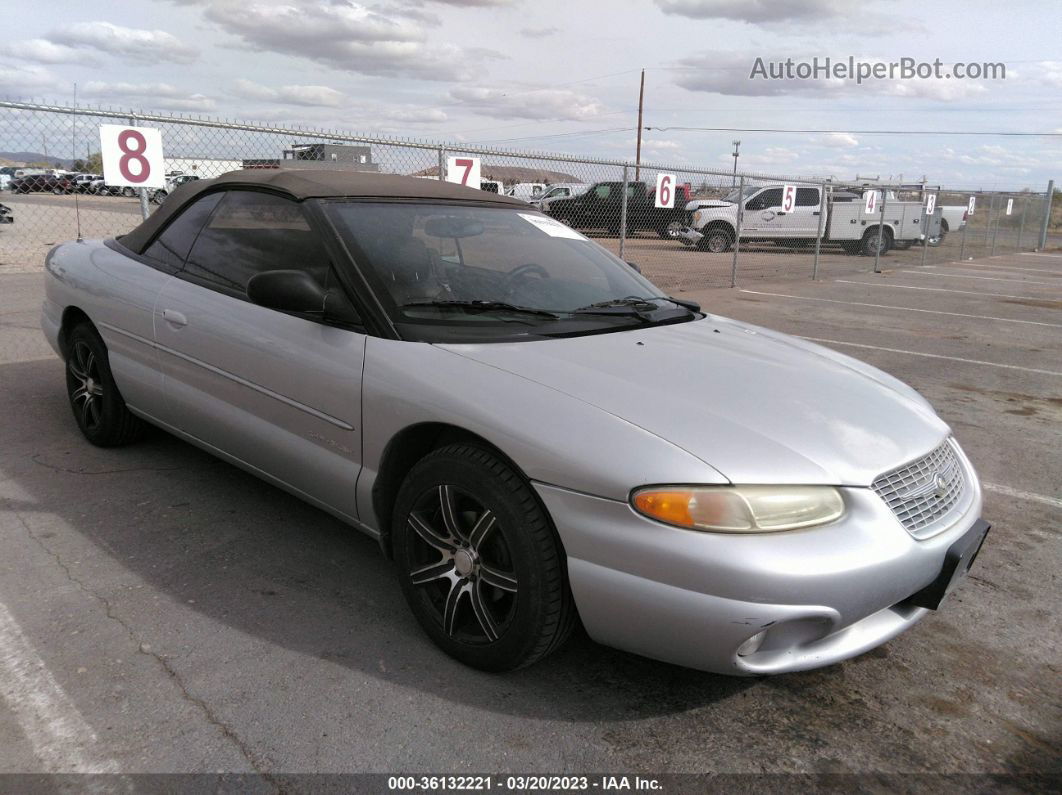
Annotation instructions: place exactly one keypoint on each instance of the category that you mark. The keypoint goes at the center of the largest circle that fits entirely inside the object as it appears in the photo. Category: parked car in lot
(713, 225)
(600, 207)
(528, 427)
(561, 190)
(83, 182)
(172, 183)
(36, 183)
(6, 216)
(526, 190)
(953, 216)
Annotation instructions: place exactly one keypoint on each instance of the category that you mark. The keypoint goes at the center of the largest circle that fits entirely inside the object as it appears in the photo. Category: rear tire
(99, 410)
(874, 240)
(479, 562)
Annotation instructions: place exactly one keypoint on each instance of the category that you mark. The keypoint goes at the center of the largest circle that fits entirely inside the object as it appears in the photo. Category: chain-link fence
(720, 229)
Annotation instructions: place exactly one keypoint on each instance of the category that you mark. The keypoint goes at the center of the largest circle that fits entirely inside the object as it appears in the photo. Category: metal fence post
(988, 225)
(999, 217)
(1021, 225)
(962, 240)
(1047, 214)
(925, 229)
(881, 235)
(442, 165)
(623, 211)
(737, 232)
(818, 234)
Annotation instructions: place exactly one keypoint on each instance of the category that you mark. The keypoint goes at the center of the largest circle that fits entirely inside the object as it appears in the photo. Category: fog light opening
(752, 645)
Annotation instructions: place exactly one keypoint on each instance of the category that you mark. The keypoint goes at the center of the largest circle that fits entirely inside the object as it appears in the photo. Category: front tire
(717, 240)
(479, 562)
(99, 410)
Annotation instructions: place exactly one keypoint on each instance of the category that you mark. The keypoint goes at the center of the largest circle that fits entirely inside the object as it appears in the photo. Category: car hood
(702, 204)
(756, 405)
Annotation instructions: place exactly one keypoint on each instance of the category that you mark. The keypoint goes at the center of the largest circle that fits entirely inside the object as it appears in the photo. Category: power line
(857, 132)
(555, 135)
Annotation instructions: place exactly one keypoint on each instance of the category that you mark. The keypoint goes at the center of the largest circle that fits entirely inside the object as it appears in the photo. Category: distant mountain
(37, 157)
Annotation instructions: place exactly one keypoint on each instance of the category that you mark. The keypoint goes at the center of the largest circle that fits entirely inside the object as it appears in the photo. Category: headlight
(740, 509)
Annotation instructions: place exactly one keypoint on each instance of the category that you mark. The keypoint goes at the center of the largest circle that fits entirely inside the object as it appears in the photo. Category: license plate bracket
(957, 561)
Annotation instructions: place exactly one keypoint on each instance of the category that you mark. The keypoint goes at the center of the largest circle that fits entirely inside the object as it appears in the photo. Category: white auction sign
(971, 205)
(463, 171)
(931, 203)
(871, 198)
(1010, 206)
(788, 198)
(132, 156)
(665, 191)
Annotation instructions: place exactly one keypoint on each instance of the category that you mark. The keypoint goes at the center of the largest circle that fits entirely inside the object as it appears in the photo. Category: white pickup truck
(714, 221)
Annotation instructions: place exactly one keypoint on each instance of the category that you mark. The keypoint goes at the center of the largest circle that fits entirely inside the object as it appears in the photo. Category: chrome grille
(924, 491)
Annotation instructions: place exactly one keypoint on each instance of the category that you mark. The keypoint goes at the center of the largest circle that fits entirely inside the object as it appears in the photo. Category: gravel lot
(163, 612)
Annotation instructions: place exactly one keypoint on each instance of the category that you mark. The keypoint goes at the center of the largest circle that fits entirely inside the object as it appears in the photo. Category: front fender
(553, 437)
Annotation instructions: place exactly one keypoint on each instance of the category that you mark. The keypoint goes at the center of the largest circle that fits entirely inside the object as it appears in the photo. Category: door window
(772, 197)
(807, 197)
(172, 246)
(252, 232)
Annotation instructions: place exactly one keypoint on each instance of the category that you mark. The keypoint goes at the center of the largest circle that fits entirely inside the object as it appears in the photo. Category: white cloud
(347, 36)
(553, 104)
(22, 81)
(163, 96)
(538, 33)
(414, 115)
(841, 139)
(1052, 73)
(294, 95)
(134, 44)
(44, 51)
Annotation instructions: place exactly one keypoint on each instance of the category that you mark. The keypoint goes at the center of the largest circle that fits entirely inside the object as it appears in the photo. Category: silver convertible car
(534, 432)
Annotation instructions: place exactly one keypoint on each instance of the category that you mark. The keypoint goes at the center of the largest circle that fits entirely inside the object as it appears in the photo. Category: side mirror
(286, 290)
(636, 268)
(298, 291)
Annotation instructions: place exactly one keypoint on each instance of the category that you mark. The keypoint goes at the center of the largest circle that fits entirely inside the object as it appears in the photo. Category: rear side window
(807, 197)
(172, 246)
(252, 232)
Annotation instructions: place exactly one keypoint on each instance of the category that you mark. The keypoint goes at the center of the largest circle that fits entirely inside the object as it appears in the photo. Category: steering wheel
(523, 271)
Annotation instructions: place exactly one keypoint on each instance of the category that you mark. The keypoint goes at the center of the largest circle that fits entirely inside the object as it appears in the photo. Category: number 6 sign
(463, 171)
(665, 191)
(132, 156)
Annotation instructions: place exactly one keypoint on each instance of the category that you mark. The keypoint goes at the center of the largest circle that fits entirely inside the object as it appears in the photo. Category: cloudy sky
(563, 76)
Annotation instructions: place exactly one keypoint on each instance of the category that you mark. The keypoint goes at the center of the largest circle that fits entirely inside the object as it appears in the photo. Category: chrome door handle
(174, 318)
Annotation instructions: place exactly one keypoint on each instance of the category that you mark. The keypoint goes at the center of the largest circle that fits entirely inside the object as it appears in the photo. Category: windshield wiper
(485, 306)
(630, 305)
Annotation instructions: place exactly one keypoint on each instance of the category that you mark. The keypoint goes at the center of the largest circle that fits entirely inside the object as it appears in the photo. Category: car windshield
(734, 194)
(450, 271)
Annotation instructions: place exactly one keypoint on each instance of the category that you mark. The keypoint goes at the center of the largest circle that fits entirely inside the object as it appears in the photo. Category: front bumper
(819, 596)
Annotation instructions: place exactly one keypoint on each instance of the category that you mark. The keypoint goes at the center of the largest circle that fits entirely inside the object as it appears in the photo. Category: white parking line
(985, 278)
(1038, 254)
(1023, 495)
(942, 290)
(999, 267)
(933, 356)
(61, 739)
(905, 309)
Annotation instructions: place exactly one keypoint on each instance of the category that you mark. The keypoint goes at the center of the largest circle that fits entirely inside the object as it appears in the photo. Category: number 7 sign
(463, 171)
(132, 156)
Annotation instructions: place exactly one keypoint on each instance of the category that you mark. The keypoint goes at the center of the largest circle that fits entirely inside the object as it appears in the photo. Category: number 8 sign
(132, 156)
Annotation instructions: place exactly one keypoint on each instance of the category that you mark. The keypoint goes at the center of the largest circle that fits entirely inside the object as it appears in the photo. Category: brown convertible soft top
(302, 184)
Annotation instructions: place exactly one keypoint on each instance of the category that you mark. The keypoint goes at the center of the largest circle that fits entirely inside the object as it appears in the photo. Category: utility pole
(737, 146)
(638, 151)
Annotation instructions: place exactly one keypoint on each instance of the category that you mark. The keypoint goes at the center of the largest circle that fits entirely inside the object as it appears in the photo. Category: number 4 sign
(788, 198)
(132, 156)
(665, 191)
(463, 171)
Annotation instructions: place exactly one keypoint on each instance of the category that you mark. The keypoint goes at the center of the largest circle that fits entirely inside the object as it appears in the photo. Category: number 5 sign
(788, 198)
(665, 191)
(132, 156)
(463, 171)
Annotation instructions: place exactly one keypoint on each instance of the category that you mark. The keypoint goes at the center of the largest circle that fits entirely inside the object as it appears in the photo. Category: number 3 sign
(132, 156)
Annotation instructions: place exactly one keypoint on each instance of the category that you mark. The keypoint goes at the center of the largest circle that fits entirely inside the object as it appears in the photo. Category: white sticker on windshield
(551, 226)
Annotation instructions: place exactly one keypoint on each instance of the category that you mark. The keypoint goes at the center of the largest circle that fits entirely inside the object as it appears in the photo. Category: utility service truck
(796, 220)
